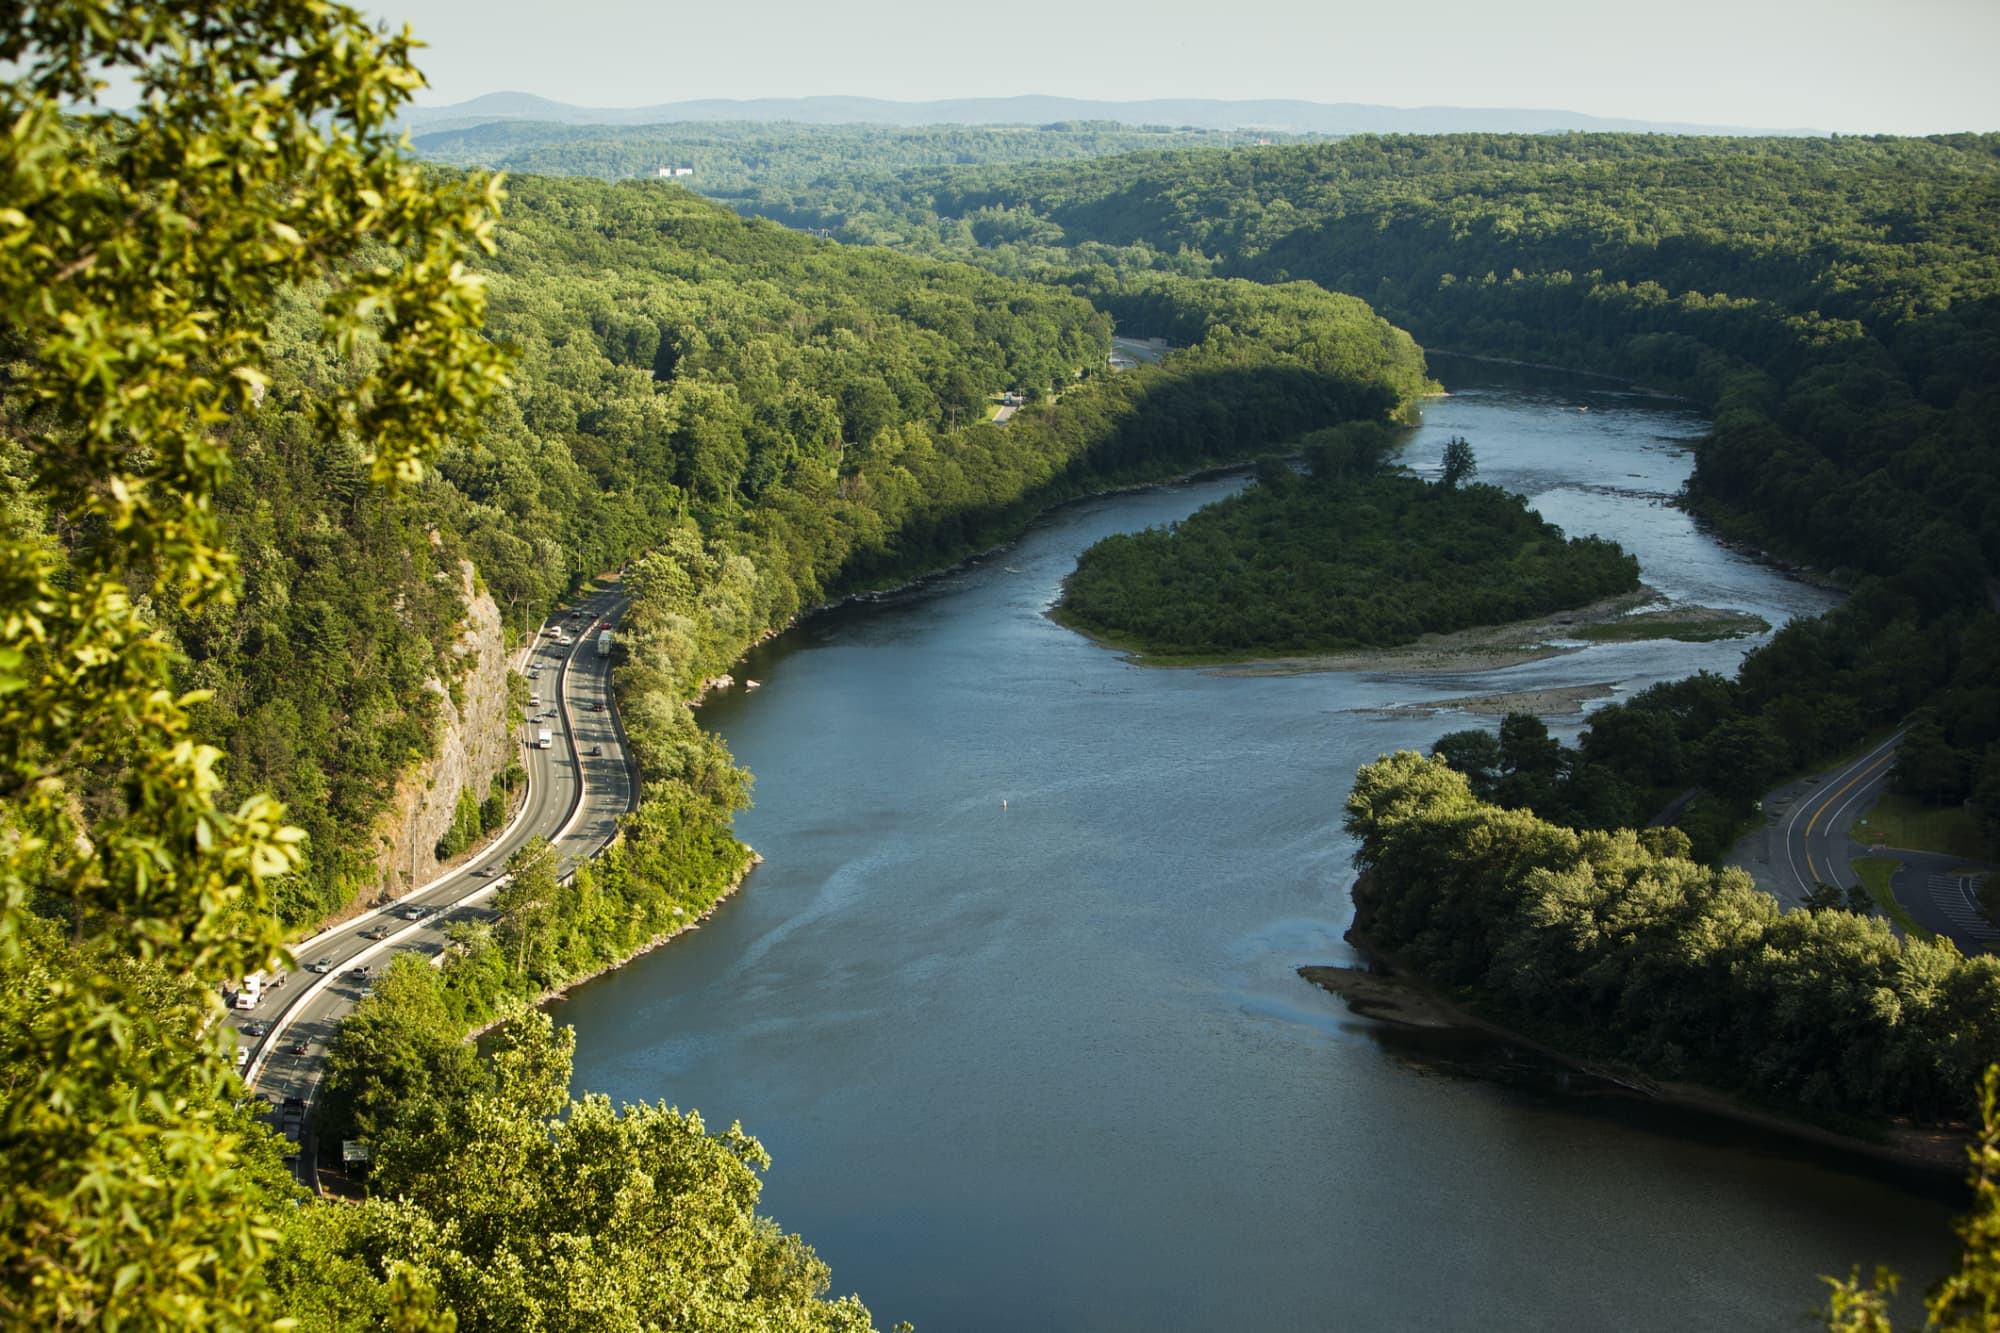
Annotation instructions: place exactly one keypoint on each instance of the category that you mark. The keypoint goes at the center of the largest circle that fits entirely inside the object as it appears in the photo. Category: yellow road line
(1812, 869)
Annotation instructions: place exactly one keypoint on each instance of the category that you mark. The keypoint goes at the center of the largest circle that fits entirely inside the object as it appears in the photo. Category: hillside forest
(251, 465)
(265, 418)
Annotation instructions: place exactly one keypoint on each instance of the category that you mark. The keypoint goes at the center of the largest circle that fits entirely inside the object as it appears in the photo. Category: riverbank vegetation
(1831, 302)
(249, 462)
(1617, 946)
(1350, 555)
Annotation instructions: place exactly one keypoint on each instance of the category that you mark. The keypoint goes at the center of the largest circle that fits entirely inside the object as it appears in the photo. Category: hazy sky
(1854, 66)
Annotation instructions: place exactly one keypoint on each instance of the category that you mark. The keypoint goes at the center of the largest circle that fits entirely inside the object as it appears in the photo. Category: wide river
(1012, 1001)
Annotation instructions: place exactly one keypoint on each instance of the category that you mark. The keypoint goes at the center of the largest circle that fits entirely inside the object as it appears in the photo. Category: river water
(1012, 1002)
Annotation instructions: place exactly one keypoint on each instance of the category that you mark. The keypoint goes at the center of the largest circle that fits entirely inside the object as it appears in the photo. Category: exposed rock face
(473, 745)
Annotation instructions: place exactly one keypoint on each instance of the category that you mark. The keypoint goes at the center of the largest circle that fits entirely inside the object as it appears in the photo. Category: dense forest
(1834, 303)
(1351, 555)
(814, 409)
(734, 160)
(263, 420)
(252, 464)
(1835, 300)
(1616, 944)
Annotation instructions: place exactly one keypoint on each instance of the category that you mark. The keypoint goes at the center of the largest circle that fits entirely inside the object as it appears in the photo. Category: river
(1012, 1001)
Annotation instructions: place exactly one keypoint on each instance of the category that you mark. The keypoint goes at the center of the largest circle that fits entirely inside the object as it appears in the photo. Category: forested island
(1348, 556)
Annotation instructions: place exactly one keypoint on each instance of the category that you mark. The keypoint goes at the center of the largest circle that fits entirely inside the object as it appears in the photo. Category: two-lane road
(1808, 827)
(577, 791)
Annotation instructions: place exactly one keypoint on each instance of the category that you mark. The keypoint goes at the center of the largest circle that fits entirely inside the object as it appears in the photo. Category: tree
(1966, 1300)
(140, 257)
(1476, 753)
(1458, 462)
(534, 1211)
(526, 903)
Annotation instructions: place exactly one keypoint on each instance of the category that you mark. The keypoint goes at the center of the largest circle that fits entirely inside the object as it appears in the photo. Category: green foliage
(467, 825)
(1966, 1300)
(1834, 303)
(523, 1209)
(803, 162)
(1458, 463)
(1330, 563)
(1617, 946)
(139, 258)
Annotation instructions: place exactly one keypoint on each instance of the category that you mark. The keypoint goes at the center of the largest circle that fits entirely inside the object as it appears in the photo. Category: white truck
(251, 991)
(604, 643)
(544, 739)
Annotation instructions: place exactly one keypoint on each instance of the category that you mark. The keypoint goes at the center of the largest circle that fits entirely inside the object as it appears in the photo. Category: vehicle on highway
(367, 993)
(416, 912)
(320, 965)
(299, 1048)
(596, 750)
(256, 1029)
(375, 933)
(251, 991)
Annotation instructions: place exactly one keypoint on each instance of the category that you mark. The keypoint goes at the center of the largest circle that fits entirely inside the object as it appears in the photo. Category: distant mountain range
(1202, 113)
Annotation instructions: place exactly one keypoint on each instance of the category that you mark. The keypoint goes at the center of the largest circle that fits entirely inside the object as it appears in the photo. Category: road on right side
(1808, 839)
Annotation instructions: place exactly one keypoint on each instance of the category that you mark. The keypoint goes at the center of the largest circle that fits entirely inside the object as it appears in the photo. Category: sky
(1846, 66)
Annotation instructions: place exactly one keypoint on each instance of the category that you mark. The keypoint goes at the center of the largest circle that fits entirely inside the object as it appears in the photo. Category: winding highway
(1817, 829)
(577, 791)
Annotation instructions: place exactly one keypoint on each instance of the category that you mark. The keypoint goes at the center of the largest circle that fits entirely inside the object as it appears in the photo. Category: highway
(577, 791)
(1816, 829)
(1807, 837)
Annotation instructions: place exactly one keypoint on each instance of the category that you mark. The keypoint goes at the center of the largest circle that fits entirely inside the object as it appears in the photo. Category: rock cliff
(473, 745)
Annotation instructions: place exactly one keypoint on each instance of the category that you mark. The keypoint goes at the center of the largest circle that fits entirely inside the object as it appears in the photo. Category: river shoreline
(1388, 991)
(556, 993)
(1641, 614)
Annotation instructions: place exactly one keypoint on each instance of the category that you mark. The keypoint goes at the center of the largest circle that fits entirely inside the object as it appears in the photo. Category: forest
(813, 409)
(731, 160)
(1617, 945)
(1834, 303)
(263, 416)
(1349, 555)
(251, 465)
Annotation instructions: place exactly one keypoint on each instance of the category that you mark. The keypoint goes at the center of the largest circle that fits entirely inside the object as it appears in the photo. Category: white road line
(1953, 896)
(270, 1042)
(1807, 803)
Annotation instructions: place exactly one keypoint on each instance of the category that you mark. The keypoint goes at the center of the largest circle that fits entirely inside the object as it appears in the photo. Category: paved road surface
(1807, 835)
(1808, 839)
(574, 800)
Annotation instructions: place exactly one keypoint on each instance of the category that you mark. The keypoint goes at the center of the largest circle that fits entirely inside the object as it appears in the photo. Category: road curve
(574, 800)
(1808, 823)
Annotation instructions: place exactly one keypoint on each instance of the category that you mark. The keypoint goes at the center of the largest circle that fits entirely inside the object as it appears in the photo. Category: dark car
(299, 1048)
(256, 1029)
(597, 749)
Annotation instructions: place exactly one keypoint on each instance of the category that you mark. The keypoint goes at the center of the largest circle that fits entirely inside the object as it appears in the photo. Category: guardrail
(271, 1040)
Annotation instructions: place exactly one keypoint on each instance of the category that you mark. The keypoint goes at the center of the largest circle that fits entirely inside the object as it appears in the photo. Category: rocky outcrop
(473, 745)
